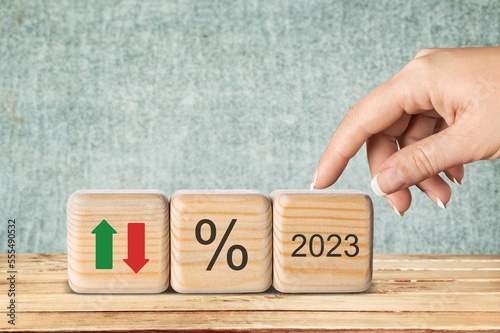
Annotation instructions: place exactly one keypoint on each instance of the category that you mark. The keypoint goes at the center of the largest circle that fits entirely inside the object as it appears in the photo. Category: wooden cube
(221, 241)
(118, 241)
(322, 241)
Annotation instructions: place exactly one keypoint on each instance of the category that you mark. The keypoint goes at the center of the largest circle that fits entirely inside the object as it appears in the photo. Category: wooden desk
(410, 293)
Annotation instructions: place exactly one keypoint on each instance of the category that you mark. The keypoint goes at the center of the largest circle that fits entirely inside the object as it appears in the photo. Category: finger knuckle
(424, 52)
(421, 65)
(422, 161)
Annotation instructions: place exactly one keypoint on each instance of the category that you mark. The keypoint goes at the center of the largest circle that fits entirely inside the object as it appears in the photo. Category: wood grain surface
(87, 209)
(409, 293)
(323, 241)
(251, 213)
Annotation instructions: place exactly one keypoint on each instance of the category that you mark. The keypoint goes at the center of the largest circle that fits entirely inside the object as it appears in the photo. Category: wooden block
(118, 241)
(322, 241)
(221, 241)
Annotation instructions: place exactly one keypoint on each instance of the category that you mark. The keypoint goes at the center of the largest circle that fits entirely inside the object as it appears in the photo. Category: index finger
(375, 112)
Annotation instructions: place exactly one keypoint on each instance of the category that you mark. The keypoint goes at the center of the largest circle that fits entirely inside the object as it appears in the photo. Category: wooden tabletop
(410, 293)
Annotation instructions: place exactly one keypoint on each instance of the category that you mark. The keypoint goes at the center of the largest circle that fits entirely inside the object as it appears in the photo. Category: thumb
(424, 159)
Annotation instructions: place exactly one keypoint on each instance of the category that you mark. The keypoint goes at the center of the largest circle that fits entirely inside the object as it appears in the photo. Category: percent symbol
(230, 251)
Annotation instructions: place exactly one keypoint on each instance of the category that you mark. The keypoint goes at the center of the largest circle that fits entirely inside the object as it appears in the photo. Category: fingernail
(394, 208)
(435, 199)
(457, 182)
(440, 203)
(314, 179)
(376, 187)
(397, 211)
(389, 181)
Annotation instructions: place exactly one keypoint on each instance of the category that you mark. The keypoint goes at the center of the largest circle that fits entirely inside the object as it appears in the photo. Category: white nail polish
(376, 188)
(440, 203)
(396, 211)
(456, 181)
(314, 180)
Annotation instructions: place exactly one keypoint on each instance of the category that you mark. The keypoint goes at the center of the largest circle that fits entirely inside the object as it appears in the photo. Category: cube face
(118, 241)
(221, 241)
(323, 241)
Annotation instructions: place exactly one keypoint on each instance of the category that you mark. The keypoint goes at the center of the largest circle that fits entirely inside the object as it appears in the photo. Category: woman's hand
(441, 111)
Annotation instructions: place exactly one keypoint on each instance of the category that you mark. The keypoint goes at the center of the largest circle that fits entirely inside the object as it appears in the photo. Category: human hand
(441, 111)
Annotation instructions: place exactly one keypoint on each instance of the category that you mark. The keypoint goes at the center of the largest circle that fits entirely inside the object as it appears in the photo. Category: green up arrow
(104, 245)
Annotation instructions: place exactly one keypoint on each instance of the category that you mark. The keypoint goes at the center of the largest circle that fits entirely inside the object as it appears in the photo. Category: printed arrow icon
(104, 245)
(136, 247)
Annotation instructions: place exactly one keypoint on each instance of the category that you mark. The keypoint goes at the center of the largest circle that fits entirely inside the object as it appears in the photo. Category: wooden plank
(378, 287)
(382, 275)
(427, 258)
(271, 301)
(48, 267)
(436, 275)
(260, 321)
(53, 262)
(418, 263)
(46, 303)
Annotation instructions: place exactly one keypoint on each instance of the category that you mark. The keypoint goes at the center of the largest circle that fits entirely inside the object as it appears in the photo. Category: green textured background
(227, 94)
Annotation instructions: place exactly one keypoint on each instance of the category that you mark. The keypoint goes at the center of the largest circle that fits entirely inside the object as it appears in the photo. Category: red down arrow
(136, 247)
